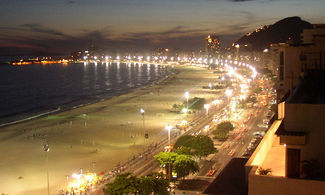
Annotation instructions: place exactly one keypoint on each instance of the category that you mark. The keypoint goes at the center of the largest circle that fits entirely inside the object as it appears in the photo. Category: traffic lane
(234, 147)
(252, 127)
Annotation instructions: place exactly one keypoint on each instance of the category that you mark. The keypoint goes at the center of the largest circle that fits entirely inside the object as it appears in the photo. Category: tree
(219, 135)
(184, 150)
(257, 90)
(146, 185)
(185, 165)
(225, 127)
(195, 103)
(185, 141)
(128, 184)
(123, 184)
(157, 185)
(200, 146)
(203, 146)
(167, 159)
(251, 99)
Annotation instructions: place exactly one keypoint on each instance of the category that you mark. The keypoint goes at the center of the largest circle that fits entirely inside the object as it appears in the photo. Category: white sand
(107, 128)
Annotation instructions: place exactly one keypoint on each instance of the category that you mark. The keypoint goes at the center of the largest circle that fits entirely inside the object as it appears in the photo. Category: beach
(96, 137)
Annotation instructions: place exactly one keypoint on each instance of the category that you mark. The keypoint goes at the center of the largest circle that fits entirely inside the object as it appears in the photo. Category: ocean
(34, 90)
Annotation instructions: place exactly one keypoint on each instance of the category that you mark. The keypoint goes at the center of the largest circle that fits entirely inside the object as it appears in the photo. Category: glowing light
(187, 95)
(183, 122)
(228, 93)
(168, 127)
(215, 102)
(207, 106)
(184, 110)
(141, 111)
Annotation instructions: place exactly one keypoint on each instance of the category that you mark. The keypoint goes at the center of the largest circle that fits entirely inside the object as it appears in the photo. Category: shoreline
(62, 108)
(105, 133)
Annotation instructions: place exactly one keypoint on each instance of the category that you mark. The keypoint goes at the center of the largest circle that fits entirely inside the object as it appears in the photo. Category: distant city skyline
(61, 26)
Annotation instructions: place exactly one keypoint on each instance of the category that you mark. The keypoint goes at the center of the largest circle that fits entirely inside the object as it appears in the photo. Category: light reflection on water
(33, 89)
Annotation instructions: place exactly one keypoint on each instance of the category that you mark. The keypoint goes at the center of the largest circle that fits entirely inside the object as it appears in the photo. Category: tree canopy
(123, 184)
(185, 141)
(225, 127)
(166, 157)
(128, 184)
(201, 145)
(185, 165)
(195, 103)
(184, 150)
(222, 130)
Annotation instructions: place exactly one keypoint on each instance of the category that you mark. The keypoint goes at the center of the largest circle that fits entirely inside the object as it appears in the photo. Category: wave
(31, 117)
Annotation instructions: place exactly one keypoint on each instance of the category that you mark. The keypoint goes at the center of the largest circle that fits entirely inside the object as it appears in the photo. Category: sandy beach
(95, 137)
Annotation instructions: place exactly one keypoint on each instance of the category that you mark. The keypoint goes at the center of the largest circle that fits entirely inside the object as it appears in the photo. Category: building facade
(294, 146)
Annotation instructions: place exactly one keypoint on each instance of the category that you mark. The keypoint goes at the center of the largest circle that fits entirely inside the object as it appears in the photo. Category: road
(234, 146)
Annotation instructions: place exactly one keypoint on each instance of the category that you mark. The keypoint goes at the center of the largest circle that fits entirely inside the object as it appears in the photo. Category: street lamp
(207, 106)
(168, 128)
(237, 51)
(206, 128)
(228, 93)
(187, 95)
(142, 113)
(146, 136)
(46, 149)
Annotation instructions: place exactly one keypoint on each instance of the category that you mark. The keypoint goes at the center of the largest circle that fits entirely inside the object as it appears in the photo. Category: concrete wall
(269, 185)
(309, 118)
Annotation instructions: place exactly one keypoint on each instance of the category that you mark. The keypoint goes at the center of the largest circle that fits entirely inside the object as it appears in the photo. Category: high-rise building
(212, 45)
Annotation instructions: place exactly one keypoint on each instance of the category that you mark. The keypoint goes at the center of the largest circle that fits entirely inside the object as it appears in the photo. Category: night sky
(60, 26)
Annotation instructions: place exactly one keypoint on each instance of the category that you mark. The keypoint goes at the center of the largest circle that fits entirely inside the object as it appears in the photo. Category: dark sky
(60, 26)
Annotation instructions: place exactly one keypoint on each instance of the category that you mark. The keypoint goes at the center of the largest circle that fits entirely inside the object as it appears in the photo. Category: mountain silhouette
(285, 30)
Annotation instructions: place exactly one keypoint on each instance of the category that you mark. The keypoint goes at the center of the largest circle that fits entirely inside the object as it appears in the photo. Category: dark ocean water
(31, 90)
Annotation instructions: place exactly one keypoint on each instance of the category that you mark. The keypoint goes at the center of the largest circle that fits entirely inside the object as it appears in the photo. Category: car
(231, 153)
(259, 133)
(246, 153)
(226, 146)
(211, 172)
(238, 137)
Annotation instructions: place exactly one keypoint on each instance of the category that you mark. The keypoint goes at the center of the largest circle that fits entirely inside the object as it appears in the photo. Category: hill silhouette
(288, 29)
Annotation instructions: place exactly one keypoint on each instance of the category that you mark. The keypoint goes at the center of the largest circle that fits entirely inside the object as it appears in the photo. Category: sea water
(34, 90)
